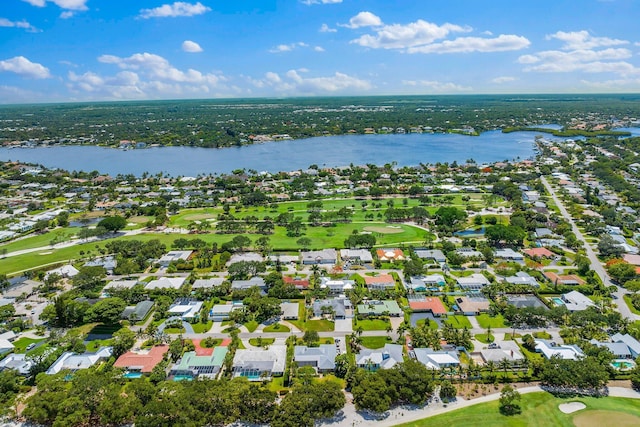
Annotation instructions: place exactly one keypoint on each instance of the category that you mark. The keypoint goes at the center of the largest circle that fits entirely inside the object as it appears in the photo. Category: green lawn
(374, 342)
(627, 300)
(538, 410)
(20, 345)
(372, 324)
(252, 325)
(174, 331)
(484, 338)
(432, 323)
(94, 345)
(277, 327)
(458, 322)
(57, 235)
(259, 342)
(485, 321)
(201, 328)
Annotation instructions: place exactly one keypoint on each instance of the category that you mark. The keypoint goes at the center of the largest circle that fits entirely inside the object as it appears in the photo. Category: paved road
(596, 265)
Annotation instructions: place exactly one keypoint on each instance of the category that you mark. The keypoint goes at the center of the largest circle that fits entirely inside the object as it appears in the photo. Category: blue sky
(82, 50)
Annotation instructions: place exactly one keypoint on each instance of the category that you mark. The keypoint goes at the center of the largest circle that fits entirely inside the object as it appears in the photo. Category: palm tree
(504, 365)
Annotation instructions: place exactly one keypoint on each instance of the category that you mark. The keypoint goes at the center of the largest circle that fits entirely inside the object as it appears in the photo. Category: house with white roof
(5, 346)
(575, 301)
(259, 364)
(172, 256)
(522, 278)
(166, 283)
(629, 341)
(336, 286)
(475, 281)
(436, 360)
(245, 257)
(500, 351)
(382, 358)
(66, 271)
(356, 255)
(17, 361)
(324, 256)
(290, 310)
(550, 349)
(509, 254)
(207, 283)
(221, 312)
(185, 308)
(74, 362)
(248, 284)
(322, 358)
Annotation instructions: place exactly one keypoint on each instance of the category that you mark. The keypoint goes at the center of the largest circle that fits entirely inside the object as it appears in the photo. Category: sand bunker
(571, 407)
(603, 418)
(384, 230)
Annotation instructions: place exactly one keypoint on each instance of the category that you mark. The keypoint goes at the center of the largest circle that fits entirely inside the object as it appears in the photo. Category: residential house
(432, 305)
(220, 312)
(166, 283)
(382, 358)
(541, 233)
(469, 253)
(137, 312)
(290, 310)
(432, 254)
(192, 365)
(380, 282)
(142, 361)
(337, 307)
(336, 286)
(539, 253)
(566, 279)
(505, 350)
(356, 256)
(300, 283)
(66, 271)
(18, 362)
(185, 308)
(207, 283)
(109, 263)
(259, 364)
(380, 308)
(522, 278)
(73, 362)
(245, 257)
(428, 282)
(509, 254)
(324, 256)
(436, 360)
(472, 305)
(5, 346)
(550, 349)
(629, 341)
(174, 256)
(248, 284)
(388, 255)
(575, 301)
(525, 301)
(119, 284)
(322, 358)
(475, 281)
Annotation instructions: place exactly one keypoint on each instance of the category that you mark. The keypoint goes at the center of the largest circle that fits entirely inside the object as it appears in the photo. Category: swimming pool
(132, 375)
(557, 301)
(623, 365)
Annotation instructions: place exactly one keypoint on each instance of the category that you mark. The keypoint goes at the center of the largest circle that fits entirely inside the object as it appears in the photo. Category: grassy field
(627, 300)
(201, 328)
(372, 324)
(458, 322)
(484, 338)
(20, 345)
(485, 321)
(374, 342)
(276, 327)
(37, 240)
(259, 342)
(541, 410)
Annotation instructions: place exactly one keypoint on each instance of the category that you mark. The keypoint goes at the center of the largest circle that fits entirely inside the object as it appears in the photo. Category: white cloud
(590, 61)
(22, 66)
(318, 49)
(575, 40)
(66, 14)
(616, 85)
(64, 4)
(364, 19)
(18, 24)
(294, 83)
(191, 46)
(287, 47)
(436, 86)
(310, 2)
(504, 42)
(176, 9)
(397, 36)
(503, 79)
(324, 28)
(146, 76)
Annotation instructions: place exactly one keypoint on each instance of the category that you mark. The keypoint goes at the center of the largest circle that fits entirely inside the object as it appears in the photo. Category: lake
(329, 151)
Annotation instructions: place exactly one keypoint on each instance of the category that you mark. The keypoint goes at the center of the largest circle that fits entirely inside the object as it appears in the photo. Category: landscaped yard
(374, 342)
(458, 322)
(432, 323)
(484, 338)
(276, 327)
(201, 328)
(485, 321)
(541, 410)
(320, 325)
(627, 300)
(251, 326)
(372, 324)
(20, 345)
(259, 342)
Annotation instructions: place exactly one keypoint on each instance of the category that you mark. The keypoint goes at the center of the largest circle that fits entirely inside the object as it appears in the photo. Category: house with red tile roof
(142, 361)
(299, 283)
(539, 253)
(380, 282)
(429, 304)
(390, 254)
